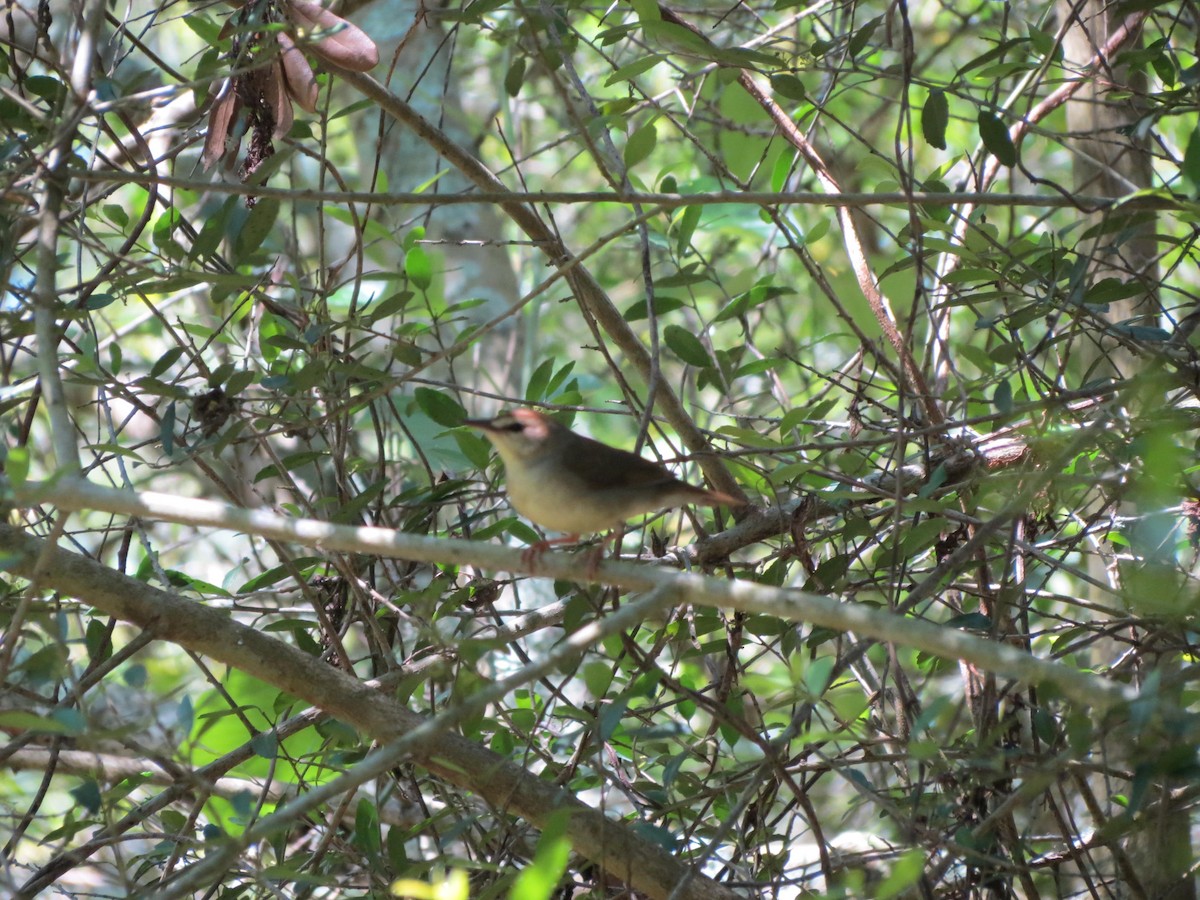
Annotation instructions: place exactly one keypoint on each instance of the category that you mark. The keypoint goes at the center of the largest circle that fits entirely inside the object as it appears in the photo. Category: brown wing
(603, 467)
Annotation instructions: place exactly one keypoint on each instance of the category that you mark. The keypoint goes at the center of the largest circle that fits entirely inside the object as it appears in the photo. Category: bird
(566, 482)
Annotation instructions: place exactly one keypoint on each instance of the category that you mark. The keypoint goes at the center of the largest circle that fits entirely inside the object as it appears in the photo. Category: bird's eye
(514, 426)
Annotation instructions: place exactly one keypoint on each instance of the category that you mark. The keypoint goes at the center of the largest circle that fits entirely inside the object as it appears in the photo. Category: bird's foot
(595, 556)
(532, 554)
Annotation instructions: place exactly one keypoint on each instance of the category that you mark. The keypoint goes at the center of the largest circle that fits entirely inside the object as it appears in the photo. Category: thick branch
(503, 784)
(798, 606)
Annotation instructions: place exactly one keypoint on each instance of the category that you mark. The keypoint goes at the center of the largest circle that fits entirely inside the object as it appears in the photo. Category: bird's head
(521, 434)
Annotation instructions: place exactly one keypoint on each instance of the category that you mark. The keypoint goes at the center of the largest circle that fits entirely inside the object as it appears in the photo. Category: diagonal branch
(507, 786)
(586, 289)
(853, 243)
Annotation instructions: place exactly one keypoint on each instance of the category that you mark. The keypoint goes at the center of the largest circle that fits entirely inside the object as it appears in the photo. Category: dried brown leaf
(278, 102)
(338, 41)
(220, 117)
(301, 83)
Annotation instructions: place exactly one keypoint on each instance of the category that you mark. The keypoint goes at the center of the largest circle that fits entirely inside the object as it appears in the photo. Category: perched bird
(566, 482)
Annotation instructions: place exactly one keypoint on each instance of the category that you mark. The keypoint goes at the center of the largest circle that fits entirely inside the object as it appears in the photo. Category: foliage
(1000, 441)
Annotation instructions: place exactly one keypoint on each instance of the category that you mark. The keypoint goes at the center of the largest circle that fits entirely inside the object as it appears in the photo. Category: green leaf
(936, 479)
(1191, 161)
(539, 880)
(165, 361)
(1164, 67)
(686, 346)
(87, 795)
(204, 27)
(216, 226)
(816, 676)
(972, 621)
(597, 676)
(98, 641)
(168, 429)
(789, 86)
(545, 381)
(997, 52)
(49, 89)
(185, 715)
(366, 828)
(785, 165)
(514, 77)
(634, 69)
(390, 305)
(259, 223)
(535, 390)
(1002, 397)
(935, 115)
(274, 575)
(640, 144)
(610, 717)
(684, 225)
(763, 291)
(1044, 43)
(758, 366)
(265, 744)
(862, 36)
(16, 465)
(906, 871)
(920, 536)
(996, 138)
(418, 267)
(662, 305)
(440, 407)
(115, 214)
(99, 300)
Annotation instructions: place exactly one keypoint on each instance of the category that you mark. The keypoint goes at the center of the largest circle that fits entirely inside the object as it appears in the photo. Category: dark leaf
(996, 138)
(934, 117)
(686, 346)
(440, 407)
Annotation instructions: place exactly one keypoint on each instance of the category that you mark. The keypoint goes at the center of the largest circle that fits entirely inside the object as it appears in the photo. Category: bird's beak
(481, 424)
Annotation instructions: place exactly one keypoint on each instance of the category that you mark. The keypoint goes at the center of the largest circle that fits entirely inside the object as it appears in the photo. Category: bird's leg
(531, 554)
(595, 556)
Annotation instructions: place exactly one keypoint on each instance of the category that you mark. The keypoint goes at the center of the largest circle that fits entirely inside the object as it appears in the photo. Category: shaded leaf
(996, 138)
(935, 115)
(1191, 161)
(634, 69)
(440, 407)
(1002, 397)
(640, 144)
(860, 38)
(686, 346)
(789, 86)
(515, 77)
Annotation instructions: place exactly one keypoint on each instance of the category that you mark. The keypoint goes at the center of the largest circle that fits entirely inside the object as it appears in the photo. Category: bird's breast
(556, 499)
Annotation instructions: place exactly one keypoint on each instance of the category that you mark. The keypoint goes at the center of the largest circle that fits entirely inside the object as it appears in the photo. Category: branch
(1146, 200)
(45, 287)
(792, 605)
(951, 259)
(588, 292)
(850, 239)
(506, 786)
